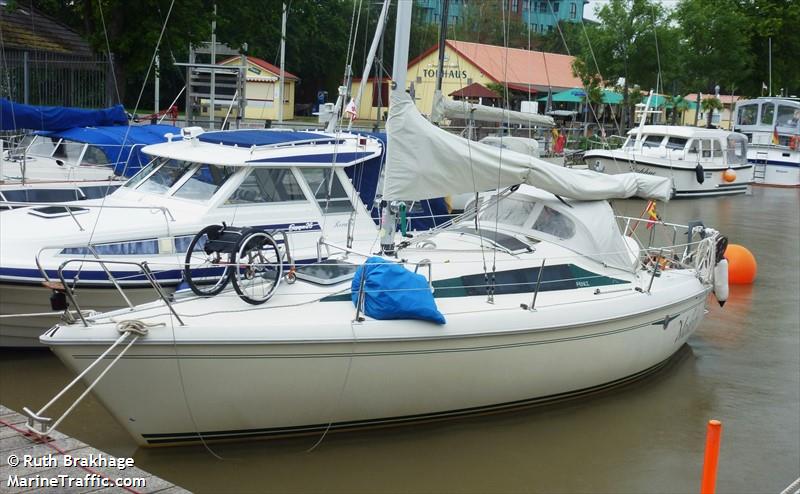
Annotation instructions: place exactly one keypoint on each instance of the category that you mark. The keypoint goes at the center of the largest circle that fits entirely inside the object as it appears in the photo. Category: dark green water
(741, 367)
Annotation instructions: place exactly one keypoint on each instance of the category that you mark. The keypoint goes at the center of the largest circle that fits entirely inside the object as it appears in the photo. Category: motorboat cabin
(701, 162)
(772, 125)
(281, 181)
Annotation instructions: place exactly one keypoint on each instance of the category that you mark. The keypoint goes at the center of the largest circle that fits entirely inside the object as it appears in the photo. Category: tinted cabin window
(327, 190)
(42, 195)
(98, 191)
(205, 182)
(747, 114)
(267, 185)
(653, 141)
(676, 143)
(767, 113)
(556, 224)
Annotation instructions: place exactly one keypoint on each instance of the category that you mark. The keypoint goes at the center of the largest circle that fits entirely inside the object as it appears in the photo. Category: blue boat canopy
(16, 116)
(256, 137)
(122, 145)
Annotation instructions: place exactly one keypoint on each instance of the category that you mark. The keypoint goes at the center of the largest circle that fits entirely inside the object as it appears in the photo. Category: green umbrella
(574, 95)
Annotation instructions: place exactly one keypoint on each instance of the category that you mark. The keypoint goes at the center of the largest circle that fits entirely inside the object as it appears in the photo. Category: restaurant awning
(474, 90)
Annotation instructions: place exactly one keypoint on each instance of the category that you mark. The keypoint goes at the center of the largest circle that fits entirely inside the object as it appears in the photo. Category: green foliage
(717, 36)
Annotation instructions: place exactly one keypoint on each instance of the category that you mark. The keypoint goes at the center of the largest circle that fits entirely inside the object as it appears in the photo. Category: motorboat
(536, 294)
(772, 125)
(74, 164)
(701, 162)
(277, 180)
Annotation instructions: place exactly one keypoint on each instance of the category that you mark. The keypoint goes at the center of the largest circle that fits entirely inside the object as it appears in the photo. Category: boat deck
(30, 465)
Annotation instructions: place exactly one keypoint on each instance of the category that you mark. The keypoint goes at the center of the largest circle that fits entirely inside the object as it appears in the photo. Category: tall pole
(442, 40)
(770, 66)
(376, 41)
(212, 110)
(157, 82)
(402, 35)
(282, 77)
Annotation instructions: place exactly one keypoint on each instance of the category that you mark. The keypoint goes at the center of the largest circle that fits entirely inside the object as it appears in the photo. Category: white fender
(721, 281)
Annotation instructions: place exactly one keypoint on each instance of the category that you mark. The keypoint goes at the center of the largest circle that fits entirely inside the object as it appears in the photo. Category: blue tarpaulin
(365, 177)
(120, 142)
(393, 292)
(14, 116)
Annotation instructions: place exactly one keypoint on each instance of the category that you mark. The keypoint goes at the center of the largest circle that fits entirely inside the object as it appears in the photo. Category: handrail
(80, 204)
(143, 268)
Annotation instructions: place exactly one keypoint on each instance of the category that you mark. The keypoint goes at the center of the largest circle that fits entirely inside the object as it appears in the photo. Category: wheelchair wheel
(207, 273)
(258, 268)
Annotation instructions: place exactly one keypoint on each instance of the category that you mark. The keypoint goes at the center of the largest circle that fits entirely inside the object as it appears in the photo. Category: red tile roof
(519, 68)
(725, 99)
(264, 65)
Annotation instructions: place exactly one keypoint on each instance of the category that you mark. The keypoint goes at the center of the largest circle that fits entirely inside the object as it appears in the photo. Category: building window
(573, 10)
(514, 5)
(526, 5)
(555, 7)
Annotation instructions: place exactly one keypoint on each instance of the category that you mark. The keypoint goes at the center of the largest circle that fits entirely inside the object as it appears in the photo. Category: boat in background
(276, 180)
(55, 154)
(701, 162)
(772, 125)
(75, 164)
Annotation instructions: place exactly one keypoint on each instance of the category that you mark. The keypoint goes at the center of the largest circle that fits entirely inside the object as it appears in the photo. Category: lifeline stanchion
(713, 434)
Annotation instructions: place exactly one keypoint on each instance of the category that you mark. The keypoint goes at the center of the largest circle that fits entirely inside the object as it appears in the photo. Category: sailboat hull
(249, 389)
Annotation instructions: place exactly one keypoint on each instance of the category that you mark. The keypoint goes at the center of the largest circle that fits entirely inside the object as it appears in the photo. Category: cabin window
(767, 113)
(737, 149)
(267, 185)
(69, 152)
(510, 211)
(205, 182)
(132, 248)
(42, 146)
(328, 190)
(42, 195)
(95, 156)
(653, 141)
(787, 116)
(166, 176)
(747, 114)
(717, 147)
(555, 223)
(98, 191)
(677, 143)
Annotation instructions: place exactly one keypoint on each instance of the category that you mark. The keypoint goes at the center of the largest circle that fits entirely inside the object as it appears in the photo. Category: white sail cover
(445, 107)
(424, 161)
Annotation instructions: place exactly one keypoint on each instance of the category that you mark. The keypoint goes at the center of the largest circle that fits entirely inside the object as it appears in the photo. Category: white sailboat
(541, 295)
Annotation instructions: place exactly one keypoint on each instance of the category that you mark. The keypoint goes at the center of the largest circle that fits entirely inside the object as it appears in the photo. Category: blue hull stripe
(775, 163)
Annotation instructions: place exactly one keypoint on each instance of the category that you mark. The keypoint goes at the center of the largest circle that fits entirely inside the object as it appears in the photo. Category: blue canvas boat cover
(15, 116)
(121, 144)
(259, 137)
(393, 292)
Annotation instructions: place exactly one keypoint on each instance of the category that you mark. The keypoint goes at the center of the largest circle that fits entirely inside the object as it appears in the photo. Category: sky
(588, 10)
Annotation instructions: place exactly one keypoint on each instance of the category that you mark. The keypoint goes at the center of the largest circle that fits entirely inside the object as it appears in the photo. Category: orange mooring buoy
(729, 175)
(742, 266)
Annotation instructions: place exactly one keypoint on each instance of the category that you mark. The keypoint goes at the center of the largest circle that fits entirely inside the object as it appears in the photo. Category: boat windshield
(165, 176)
(328, 191)
(509, 210)
(788, 116)
(204, 182)
(747, 114)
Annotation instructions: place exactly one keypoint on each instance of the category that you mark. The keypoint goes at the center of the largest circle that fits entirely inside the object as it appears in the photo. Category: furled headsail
(424, 161)
(445, 107)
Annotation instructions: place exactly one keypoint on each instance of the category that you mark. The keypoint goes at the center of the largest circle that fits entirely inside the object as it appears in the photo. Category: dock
(66, 465)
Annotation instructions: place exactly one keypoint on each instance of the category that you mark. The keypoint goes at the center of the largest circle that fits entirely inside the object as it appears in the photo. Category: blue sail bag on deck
(393, 292)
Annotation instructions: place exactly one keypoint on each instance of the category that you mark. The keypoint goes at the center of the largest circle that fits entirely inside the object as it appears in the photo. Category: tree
(624, 44)
(717, 36)
(709, 105)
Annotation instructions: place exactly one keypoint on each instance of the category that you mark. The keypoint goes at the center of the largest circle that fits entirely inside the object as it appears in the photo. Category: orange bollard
(713, 433)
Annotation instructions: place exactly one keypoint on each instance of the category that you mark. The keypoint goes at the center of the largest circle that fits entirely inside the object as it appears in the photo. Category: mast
(282, 77)
(770, 65)
(212, 109)
(376, 40)
(399, 72)
(157, 106)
